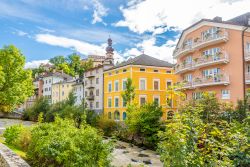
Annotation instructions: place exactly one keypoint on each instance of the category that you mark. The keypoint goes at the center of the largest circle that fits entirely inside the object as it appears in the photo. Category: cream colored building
(61, 90)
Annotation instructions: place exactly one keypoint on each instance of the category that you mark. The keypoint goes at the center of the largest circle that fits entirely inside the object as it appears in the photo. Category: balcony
(184, 68)
(90, 97)
(247, 55)
(212, 39)
(220, 79)
(90, 75)
(184, 50)
(91, 86)
(219, 58)
(247, 78)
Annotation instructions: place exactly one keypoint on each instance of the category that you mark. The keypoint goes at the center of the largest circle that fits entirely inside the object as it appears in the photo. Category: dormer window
(142, 69)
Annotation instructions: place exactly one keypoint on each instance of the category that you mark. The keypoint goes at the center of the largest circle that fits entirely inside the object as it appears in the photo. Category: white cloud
(76, 45)
(155, 15)
(99, 12)
(149, 47)
(35, 63)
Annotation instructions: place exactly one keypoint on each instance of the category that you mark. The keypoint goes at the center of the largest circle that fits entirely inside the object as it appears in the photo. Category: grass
(13, 148)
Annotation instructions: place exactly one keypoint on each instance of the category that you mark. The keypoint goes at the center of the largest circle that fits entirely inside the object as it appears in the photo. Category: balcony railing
(220, 36)
(90, 75)
(247, 55)
(90, 86)
(184, 67)
(247, 78)
(90, 97)
(221, 57)
(220, 79)
(211, 39)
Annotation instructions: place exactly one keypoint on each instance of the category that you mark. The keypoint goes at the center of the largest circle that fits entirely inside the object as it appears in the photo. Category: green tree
(129, 94)
(85, 65)
(144, 122)
(15, 82)
(57, 60)
(74, 62)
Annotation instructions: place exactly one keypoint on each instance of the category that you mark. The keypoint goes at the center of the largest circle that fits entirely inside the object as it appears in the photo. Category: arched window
(117, 115)
(124, 115)
(109, 115)
(170, 114)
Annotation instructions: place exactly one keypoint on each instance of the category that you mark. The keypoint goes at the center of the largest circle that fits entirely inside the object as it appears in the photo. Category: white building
(93, 81)
(78, 91)
(52, 78)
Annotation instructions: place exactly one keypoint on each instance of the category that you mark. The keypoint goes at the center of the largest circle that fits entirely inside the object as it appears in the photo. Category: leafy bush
(108, 126)
(144, 123)
(18, 136)
(60, 143)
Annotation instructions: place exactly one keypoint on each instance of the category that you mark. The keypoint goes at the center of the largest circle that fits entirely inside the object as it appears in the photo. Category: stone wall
(11, 115)
(9, 159)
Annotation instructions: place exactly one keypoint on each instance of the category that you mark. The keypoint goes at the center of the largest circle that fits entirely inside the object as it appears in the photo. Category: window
(116, 101)
(169, 102)
(62, 93)
(110, 86)
(91, 105)
(97, 92)
(97, 80)
(197, 95)
(225, 94)
(156, 84)
(187, 43)
(124, 115)
(142, 69)
(124, 103)
(117, 72)
(49, 88)
(210, 33)
(109, 115)
(124, 82)
(211, 73)
(109, 102)
(169, 84)
(97, 104)
(142, 100)
(157, 99)
(248, 47)
(117, 115)
(96, 71)
(49, 80)
(188, 77)
(116, 86)
(142, 84)
(62, 85)
(248, 69)
(156, 70)
(124, 70)
(46, 81)
(168, 72)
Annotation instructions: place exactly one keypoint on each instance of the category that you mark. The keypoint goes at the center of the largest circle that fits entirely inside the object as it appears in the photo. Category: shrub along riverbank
(203, 132)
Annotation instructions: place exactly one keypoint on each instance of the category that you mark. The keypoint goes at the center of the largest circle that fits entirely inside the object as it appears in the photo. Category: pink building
(214, 55)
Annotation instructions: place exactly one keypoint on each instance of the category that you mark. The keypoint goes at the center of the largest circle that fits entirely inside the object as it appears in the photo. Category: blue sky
(44, 29)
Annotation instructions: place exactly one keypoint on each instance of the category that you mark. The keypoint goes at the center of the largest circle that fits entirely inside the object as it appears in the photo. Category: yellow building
(61, 90)
(150, 76)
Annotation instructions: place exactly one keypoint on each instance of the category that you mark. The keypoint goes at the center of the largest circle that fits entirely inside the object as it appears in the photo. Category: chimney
(218, 19)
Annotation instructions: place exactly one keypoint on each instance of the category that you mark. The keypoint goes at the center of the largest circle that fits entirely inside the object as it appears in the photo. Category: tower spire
(109, 52)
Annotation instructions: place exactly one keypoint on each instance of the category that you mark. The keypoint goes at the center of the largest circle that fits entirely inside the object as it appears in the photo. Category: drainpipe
(243, 61)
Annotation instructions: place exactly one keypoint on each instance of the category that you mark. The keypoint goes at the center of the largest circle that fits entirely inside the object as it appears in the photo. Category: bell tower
(109, 53)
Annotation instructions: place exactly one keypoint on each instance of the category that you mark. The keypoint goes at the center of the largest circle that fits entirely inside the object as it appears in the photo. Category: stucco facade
(212, 56)
(151, 83)
(61, 91)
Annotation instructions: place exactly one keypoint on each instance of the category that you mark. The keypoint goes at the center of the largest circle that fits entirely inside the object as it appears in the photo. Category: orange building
(214, 55)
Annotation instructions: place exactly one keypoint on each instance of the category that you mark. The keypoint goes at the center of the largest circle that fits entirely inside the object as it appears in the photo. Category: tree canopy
(15, 82)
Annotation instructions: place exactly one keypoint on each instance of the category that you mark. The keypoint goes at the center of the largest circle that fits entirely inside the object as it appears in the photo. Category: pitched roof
(143, 60)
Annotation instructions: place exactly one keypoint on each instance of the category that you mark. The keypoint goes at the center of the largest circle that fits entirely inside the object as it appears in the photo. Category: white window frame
(124, 80)
(116, 97)
(142, 96)
(167, 83)
(225, 96)
(116, 83)
(159, 99)
(143, 79)
(159, 84)
(110, 83)
(109, 98)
